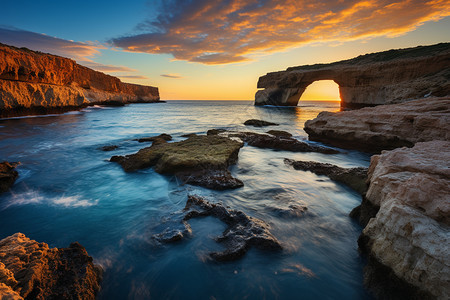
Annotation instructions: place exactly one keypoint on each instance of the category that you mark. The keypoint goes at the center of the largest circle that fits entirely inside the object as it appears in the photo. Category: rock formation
(30, 79)
(353, 177)
(31, 270)
(408, 240)
(7, 175)
(259, 123)
(384, 127)
(387, 77)
(200, 160)
(243, 231)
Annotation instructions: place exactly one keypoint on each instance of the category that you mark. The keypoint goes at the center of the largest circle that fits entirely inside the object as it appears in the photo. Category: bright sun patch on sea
(326, 90)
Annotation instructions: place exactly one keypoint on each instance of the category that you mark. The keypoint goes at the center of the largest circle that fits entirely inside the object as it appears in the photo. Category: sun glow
(324, 90)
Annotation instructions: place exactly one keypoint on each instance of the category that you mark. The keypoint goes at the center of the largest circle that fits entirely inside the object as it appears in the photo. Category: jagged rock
(259, 123)
(242, 233)
(373, 129)
(31, 270)
(279, 143)
(353, 177)
(387, 77)
(159, 138)
(31, 81)
(201, 160)
(279, 133)
(109, 148)
(7, 175)
(410, 234)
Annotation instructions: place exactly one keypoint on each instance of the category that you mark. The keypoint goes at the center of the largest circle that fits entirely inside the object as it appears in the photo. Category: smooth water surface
(69, 191)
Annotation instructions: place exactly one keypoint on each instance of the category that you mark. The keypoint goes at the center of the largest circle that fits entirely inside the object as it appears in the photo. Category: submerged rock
(259, 123)
(31, 270)
(242, 233)
(409, 238)
(355, 178)
(7, 175)
(159, 138)
(200, 160)
(382, 127)
(279, 133)
(109, 148)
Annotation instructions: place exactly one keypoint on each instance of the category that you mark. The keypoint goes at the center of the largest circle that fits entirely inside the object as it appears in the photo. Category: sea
(68, 191)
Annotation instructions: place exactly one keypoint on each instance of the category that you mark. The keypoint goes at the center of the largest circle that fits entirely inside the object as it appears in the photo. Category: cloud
(172, 75)
(230, 31)
(132, 77)
(106, 68)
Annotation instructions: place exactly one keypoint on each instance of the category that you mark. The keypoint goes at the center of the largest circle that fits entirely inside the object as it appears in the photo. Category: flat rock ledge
(355, 178)
(199, 160)
(408, 239)
(7, 175)
(242, 233)
(31, 270)
(259, 123)
(384, 127)
(273, 141)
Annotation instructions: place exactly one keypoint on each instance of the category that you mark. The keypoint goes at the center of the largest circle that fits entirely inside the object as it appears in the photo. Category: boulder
(353, 177)
(159, 138)
(32, 270)
(7, 175)
(259, 123)
(384, 127)
(408, 240)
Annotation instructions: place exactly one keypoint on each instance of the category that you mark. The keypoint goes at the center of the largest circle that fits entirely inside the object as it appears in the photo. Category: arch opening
(321, 90)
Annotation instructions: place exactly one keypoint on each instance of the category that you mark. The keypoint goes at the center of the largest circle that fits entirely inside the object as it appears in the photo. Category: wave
(35, 197)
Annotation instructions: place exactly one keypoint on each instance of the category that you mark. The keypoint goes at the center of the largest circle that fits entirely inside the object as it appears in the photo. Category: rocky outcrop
(31, 79)
(388, 77)
(353, 177)
(384, 127)
(7, 175)
(242, 233)
(200, 160)
(156, 139)
(408, 241)
(32, 270)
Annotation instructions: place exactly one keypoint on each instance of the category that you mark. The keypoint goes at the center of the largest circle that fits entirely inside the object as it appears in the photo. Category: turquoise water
(69, 191)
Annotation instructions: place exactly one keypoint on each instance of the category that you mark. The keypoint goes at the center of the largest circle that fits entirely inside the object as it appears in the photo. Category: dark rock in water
(201, 160)
(7, 175)
(242, 233)
(109, 148)
(279, 133)
(112, 103)
(211, 179)
(259, 123)
(364, 212)
(32, 270)
(292, 211)
(280, 143)
(156, 139)
(355, 178)
(215, 131)
(188, 135)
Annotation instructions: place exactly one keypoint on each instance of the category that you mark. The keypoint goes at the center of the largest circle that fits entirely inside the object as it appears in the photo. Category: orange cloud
(221, 32)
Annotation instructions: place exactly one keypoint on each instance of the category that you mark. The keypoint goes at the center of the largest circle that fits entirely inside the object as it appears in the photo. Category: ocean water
(69, 191)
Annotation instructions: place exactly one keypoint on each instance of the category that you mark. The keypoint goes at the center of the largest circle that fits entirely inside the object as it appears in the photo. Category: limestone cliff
(388, 77)
(34, 79)
(409, 237)
(373, 129)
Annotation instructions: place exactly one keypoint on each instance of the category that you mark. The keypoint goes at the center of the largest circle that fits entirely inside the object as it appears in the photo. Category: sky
(217, 50)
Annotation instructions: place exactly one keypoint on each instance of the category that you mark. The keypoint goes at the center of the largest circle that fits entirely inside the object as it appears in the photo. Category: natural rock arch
(380, 78)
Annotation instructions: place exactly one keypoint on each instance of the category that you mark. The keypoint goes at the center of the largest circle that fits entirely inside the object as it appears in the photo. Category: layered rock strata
(373, 129)
(32, 270)
(30, 79)
(198, 160)
(408, 240)
(242, 233)
(8, 175)
(387, 77)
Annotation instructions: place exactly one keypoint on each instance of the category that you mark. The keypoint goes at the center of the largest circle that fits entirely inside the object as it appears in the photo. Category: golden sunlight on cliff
(326, 90)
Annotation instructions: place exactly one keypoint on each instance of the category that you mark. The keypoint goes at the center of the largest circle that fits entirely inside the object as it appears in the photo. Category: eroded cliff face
(29, 78)
(388, 77)
(410, 236)
(373, 129)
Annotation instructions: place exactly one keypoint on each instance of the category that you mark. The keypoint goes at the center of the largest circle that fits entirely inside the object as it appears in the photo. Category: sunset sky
(209, 50)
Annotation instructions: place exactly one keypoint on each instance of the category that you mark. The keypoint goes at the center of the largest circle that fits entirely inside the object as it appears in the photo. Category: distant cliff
(387, 77)
(30, 79)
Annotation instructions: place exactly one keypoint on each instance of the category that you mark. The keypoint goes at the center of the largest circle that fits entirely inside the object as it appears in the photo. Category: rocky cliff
(409, 237)
(33, 79)
(388, 77)
(373, 129)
